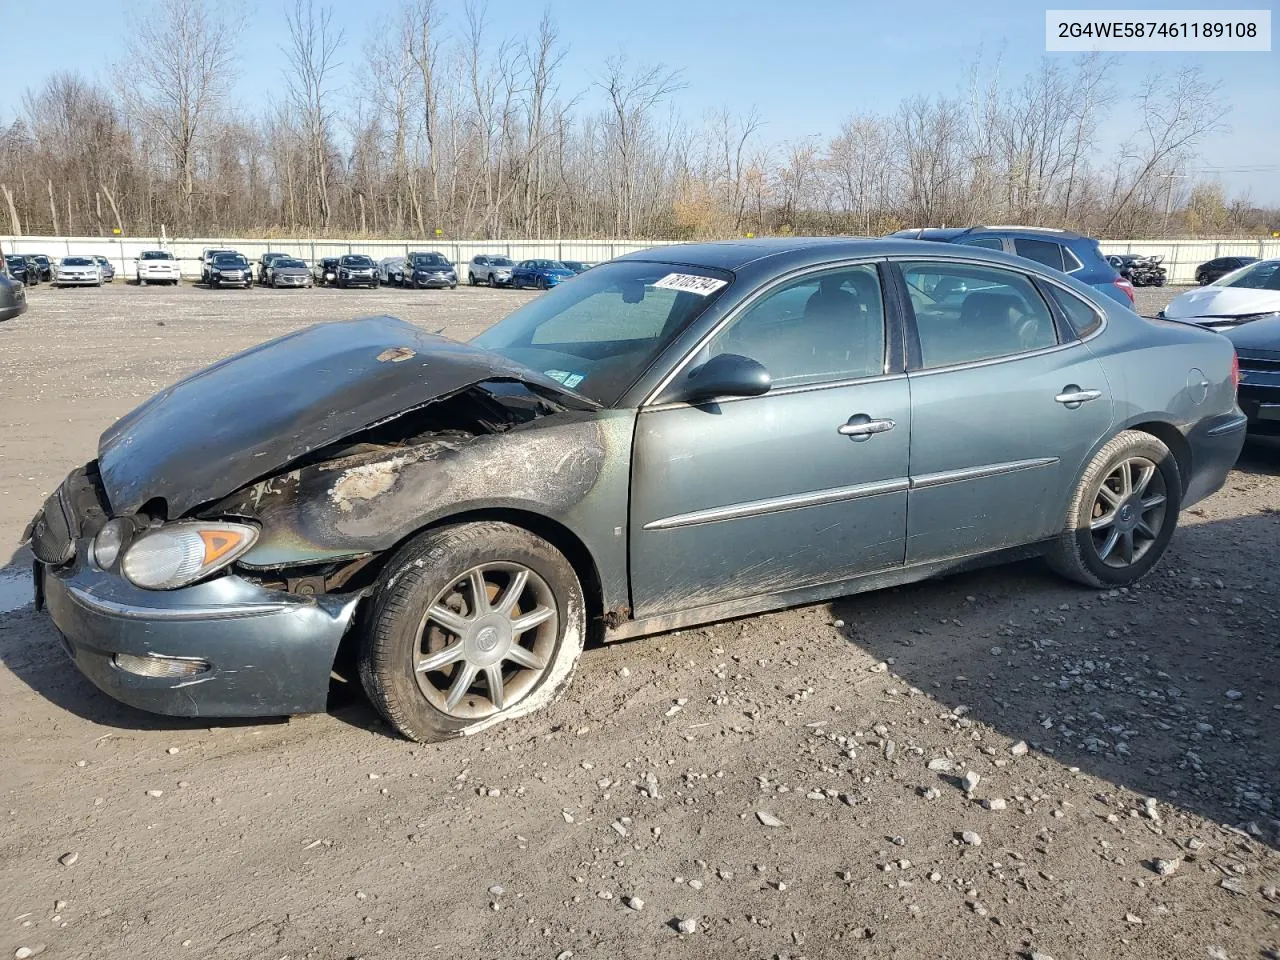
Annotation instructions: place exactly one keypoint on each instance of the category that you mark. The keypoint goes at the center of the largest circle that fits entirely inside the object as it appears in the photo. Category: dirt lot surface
(791, 785)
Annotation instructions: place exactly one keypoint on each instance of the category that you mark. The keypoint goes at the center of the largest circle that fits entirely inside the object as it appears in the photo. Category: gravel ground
(998, 764)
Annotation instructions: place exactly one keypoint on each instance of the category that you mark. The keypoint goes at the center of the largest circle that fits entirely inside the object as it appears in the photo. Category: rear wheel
(1122, 515)
(473, 624)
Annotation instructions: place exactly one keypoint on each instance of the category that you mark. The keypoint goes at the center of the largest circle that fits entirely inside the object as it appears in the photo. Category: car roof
(736, 254)
(950, 233)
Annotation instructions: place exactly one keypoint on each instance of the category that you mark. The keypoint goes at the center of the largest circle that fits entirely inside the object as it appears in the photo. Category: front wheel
(1122, 515)
(473, 624)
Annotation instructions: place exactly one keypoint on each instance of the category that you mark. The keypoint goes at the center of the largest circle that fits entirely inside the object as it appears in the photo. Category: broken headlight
(177, 554)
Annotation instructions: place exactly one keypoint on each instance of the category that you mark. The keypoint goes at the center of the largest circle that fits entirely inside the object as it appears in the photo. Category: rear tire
(1122, 515)
(433, 580)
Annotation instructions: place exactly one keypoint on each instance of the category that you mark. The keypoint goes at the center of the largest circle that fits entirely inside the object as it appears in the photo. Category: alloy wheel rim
(486, 640)
(1128, 512)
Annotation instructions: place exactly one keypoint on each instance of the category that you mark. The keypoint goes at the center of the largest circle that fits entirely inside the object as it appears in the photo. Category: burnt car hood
(252, 414)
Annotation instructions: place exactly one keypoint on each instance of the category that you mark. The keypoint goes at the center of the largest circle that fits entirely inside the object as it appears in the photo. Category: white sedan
(1250, 293)
(77, 272)
(156, 266)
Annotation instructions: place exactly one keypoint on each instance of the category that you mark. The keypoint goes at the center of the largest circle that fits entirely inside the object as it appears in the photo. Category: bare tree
(632, 96)
(1172, 119)
(312, 54)
(180, 62)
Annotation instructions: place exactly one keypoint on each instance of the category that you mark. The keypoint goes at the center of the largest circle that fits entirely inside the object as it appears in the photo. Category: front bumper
(358, 281)
(77, 281)
(291, 281)
(269, 653)
(13, 310)
(435, 280)
(1259, 398)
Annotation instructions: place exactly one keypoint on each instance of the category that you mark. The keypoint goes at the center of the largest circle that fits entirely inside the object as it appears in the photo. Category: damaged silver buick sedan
(678, 436)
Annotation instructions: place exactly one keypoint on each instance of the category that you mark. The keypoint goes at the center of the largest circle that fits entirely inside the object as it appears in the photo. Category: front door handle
(862, 427)
(1072, 396)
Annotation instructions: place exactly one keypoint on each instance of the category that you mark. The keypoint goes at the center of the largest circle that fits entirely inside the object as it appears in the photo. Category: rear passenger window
(965, 313)
(1083, 317)
(1041, 251)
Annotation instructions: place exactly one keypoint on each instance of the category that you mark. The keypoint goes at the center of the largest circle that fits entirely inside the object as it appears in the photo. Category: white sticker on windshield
(702, 286)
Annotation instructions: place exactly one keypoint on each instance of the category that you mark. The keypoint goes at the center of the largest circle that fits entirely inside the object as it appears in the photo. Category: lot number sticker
(702, 286)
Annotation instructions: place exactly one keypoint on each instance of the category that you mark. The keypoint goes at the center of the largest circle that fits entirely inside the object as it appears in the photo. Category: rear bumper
(1215, 446)
(13, 310)
(267, 653)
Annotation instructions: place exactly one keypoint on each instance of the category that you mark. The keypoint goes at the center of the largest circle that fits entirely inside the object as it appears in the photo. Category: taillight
(1235, 369)
(1126, 286)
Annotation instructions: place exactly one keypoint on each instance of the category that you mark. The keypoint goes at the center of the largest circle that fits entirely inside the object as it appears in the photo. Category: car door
(805, 484)
(1006, 405)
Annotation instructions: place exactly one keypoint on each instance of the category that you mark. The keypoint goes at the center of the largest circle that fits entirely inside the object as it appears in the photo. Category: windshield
(357, 261)
(430, 260)
(546, 265)
(1259, 276)
(77, 262)
(230, 260)
(289, 262)
(156, 255)
(500, 262)
(599, 333)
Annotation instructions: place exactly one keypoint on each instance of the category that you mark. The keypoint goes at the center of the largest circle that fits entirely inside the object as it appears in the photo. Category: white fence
(1181, 257)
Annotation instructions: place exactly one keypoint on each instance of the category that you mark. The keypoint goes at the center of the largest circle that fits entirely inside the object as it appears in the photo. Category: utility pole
(1168, 197)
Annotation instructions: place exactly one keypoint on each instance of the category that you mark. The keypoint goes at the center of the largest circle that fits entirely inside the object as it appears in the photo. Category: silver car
(678, 436)
(290, 272)
(490, 269)
(77, 272)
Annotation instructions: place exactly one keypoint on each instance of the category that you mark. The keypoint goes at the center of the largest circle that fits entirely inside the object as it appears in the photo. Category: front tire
(1122, 515)
(473, 624)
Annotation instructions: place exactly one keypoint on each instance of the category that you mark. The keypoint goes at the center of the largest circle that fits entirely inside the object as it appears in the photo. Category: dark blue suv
(1061, 249)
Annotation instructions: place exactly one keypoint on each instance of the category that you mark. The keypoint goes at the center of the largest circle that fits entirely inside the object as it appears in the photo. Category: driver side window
(823, 327)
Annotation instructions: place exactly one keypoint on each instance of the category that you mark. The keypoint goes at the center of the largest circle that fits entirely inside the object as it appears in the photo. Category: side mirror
(725, 375)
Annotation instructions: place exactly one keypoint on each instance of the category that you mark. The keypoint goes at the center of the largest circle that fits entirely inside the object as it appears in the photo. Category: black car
(1220, 267)
(325, 270)
(230, 270)
(357, 270)
(429, 270)
(13, 296)
(23, 269)
(45, 265)
(1258, 349)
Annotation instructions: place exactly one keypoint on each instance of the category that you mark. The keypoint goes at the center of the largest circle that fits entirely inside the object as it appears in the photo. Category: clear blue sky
(805, 64)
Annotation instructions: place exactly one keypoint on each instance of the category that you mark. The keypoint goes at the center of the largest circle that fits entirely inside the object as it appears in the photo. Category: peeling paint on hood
(252, 414)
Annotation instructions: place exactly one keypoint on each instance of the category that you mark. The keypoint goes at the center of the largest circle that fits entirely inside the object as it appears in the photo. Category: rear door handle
(862, 427)
(1072, 396)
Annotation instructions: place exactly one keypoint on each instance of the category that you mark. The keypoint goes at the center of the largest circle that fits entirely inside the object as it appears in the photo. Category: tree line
(454, 127)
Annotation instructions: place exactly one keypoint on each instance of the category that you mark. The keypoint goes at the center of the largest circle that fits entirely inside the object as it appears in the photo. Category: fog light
(154, 665)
